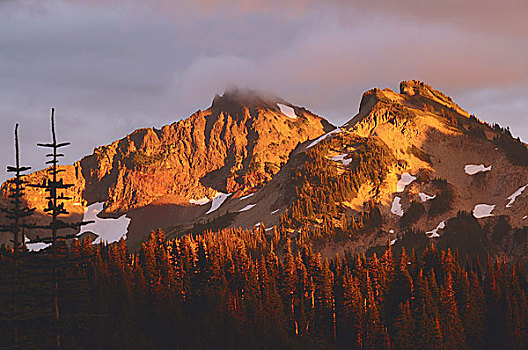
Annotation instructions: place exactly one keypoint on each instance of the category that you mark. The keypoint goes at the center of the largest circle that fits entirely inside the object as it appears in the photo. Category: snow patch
(483, 210)
(201, 201)
(391, 231)
(245, 197)
(247, 207)
(405, 180)
(396, 206)
(472, 169)
(287, 111)
(524, 217)
(258, 224)
(341, 158)
(393, 241)
(321, 138)
(275, 211)
(434, 233)
(515, 195)
(108, 230)
(218, 200)
(35, 247)
(425, 197)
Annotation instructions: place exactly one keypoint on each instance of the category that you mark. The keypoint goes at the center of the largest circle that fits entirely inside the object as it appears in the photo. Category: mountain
(236, 146)
(403, 228)
(410, 168)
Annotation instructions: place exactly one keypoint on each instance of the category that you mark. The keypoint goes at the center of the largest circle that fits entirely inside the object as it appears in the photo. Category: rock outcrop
(431, 142)
(235, 146)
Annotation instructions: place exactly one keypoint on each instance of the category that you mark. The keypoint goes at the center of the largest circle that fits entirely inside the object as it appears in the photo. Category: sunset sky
(111, 66)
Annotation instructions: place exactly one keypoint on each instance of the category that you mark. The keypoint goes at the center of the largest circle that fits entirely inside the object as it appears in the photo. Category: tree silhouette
(15, 213)
(55, 208)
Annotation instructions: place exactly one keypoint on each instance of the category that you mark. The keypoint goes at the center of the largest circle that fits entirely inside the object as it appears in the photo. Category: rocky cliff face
(238, 144)
(235, 146)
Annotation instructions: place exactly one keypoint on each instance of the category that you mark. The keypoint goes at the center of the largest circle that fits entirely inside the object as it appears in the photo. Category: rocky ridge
(235, 146)
(408, 161)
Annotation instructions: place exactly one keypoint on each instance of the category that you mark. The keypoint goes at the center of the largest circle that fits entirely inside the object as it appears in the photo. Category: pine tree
(353, 320)
(452, 328)
(16, 213)
(328, 317)
(429, 330)
(303, 297)
(405, 329)
(55, 208)
(474, 322)
(375, 336)
(287, 288)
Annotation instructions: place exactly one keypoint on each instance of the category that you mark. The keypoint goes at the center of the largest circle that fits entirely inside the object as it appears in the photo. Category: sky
(112, 66)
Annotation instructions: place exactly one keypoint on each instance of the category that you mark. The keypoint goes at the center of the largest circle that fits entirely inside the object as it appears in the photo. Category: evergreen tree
(55, 208)
(16, 213)
(452, 329)
(474, 323)
(405, 329)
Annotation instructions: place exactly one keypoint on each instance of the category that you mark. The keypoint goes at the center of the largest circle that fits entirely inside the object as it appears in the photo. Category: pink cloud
(330, 66)
(506, 16)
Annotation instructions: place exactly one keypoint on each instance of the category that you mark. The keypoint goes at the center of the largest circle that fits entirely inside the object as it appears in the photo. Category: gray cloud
(329, 69)
(110, 66)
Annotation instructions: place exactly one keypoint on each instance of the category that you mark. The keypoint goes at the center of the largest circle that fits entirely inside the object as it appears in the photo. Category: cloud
(111, 66)
(331, 67)
(507, 16)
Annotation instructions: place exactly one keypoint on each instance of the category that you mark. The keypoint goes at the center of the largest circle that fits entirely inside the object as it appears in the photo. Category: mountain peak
(418, 90)
(413, 87)
(235, 147)
(414, 95)
(235, 97)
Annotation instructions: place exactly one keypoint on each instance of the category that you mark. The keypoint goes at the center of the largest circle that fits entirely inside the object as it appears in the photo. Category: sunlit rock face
(235, 146)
